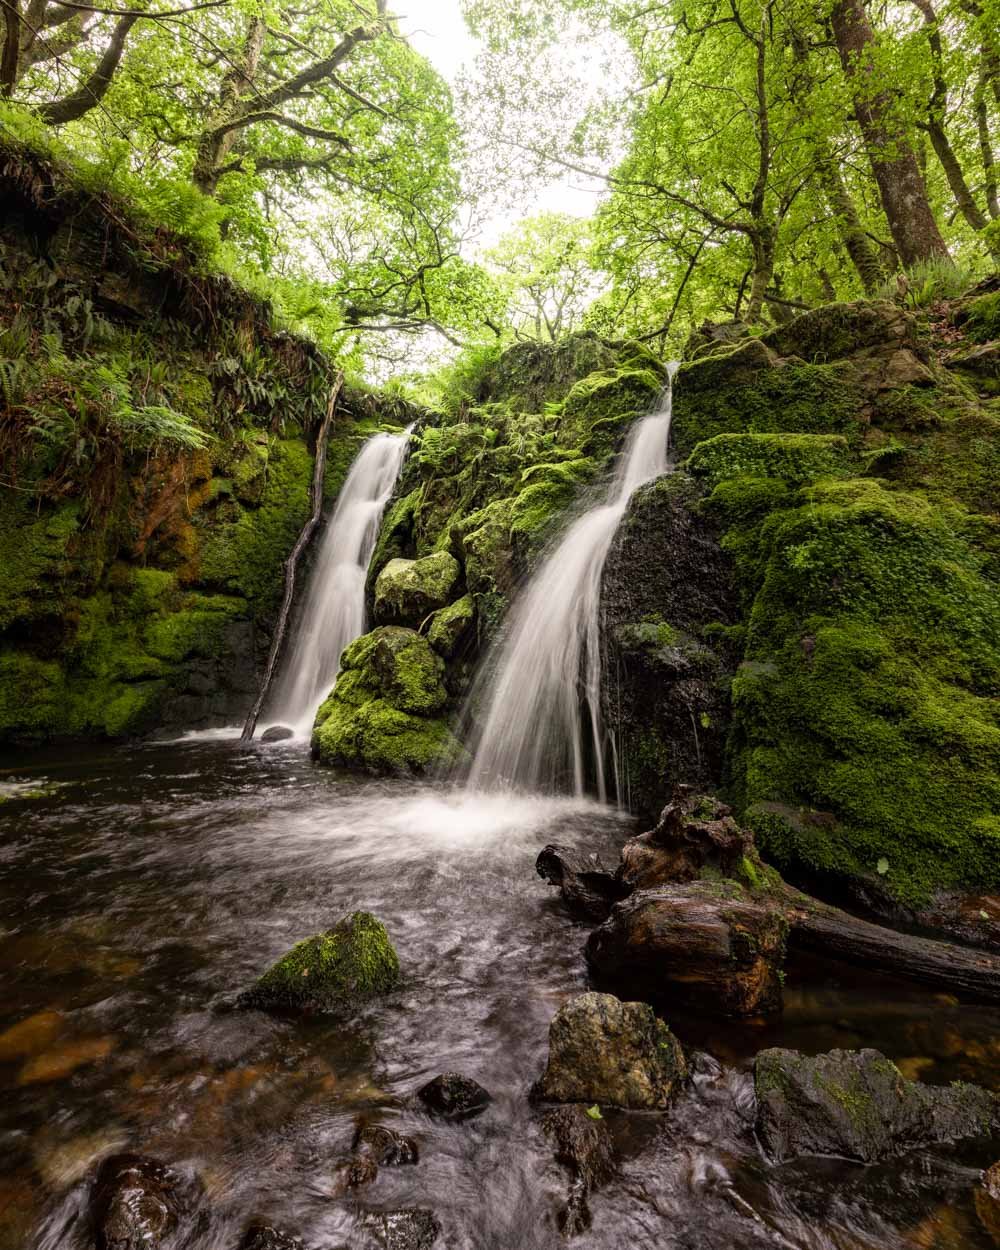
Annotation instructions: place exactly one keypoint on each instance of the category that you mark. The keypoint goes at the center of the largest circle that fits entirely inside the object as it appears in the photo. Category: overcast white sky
(437, 29)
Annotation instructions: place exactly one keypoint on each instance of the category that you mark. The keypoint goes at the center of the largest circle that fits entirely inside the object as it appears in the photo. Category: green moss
(982, 318)
(452, 626)
(796, 399)
(793, 457)
(484, 539)
(597, 407)
(409, 590)
(336, 971)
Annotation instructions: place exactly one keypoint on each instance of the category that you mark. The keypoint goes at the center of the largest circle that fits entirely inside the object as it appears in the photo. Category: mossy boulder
(858, 1105)
(407, 591)
(597, 408)
(385, 712)
(793, 457)
(602, 1050)
(452, 626)
(337, 971)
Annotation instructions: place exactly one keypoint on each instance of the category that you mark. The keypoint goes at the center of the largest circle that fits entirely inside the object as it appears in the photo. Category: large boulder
(858, 1105)
(602, 1050)
(337, 971)
(408, 591)
(384, 714)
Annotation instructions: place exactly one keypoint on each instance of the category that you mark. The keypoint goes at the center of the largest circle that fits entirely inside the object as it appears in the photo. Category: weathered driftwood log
(292, 563)
(704, 920)
(704, 943)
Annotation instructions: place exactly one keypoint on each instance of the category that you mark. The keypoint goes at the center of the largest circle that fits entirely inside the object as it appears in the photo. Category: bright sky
(437, 29)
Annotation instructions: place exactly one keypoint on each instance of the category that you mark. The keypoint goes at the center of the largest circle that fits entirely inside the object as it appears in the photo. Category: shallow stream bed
(141, 889)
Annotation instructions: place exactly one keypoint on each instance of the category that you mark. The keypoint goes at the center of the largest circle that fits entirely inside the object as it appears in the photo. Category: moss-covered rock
(337, 971)
(407, 591)
(384, 714)
(794, 457)
(452, 627)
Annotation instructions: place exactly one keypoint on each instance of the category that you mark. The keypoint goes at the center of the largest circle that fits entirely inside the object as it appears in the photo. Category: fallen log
(704, 920)
(292, 563)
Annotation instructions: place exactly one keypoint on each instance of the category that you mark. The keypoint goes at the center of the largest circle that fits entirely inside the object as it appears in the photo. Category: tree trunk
(986, 146)
(11, 47)
(292, 563)
(894, 163)
(217, 139)
(856, 242)
(762, 243)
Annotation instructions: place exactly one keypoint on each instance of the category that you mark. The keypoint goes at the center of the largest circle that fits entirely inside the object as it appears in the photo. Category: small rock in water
(856, 1104)
(454, 1097)
(136, 1203)
(991, 1181)
(585, 1146)
(602, 1050)
(264, 1237)
(412, 1228)
(385, 1145)
(277, 733)
(337, 971)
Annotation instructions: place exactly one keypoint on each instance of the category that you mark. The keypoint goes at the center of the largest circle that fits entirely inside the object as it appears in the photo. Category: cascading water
(543, 721)
(333, 614)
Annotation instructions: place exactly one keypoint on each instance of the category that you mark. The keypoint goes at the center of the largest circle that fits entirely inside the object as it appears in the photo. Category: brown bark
(986, 155)
(292, 563)
(893, 161)
(219, 135)
(91, 92)
(11, 47)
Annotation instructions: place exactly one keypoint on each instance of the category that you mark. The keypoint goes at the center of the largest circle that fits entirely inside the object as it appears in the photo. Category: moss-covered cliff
(156, 437)
(851, 463)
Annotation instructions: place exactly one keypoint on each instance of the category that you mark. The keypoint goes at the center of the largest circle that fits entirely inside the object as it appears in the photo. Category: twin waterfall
(333, 613)
(542, 730)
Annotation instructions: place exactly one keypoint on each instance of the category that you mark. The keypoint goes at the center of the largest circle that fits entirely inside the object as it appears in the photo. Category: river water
(142, 888)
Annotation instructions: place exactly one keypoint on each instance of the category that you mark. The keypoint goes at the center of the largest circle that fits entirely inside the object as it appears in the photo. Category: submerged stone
(602, 1050)
(584, 1145)
(136, 1203)
(385, 1145)
(411, 1228)
(454, 1097)
(407, 591)
(265, 1237)
(858, 1105)
(277, 733)
(336, 971)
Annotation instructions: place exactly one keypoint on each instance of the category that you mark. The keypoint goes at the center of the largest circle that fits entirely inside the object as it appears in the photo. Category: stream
(142, 887)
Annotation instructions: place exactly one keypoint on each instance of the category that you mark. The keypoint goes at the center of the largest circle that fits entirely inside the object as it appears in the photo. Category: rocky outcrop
(337, 971)
(386, 712)
(667, 599)
(604, 1051)
(858, 1105)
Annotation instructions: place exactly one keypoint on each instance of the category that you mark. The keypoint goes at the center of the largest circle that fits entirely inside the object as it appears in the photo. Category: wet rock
(452, 627)
(359, 1171)
(408, 591)
(337, 971)
(277, 733)
(704, 943)
(136, 1203)
(602, 1050)
(264, 1237)
(983, 360)
(454, 1097)
(991, 1181)
(587, 887)
(858, 1105)
(412, 1228)
(387, 1147)
(583, 1144)
(30, 1035)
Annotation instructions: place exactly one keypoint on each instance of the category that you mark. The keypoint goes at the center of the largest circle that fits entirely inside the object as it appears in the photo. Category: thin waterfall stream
(543, 718)
(333, 613)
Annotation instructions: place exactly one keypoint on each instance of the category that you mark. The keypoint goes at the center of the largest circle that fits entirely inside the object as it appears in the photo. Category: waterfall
(543, 719)
(333, 613)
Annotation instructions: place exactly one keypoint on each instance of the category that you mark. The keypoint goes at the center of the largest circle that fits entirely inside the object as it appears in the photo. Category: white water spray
(543, 721)
(333, 613)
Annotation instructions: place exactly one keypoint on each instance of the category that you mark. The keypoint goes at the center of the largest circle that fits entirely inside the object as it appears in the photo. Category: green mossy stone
(407, 591)
(793, 457)
(452, 626)
(338, 971)
(399, 665)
